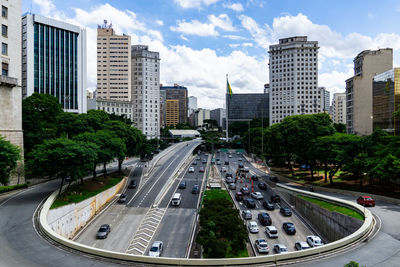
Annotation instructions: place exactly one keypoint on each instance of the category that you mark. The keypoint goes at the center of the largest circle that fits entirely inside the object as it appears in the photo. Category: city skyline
(204, 40)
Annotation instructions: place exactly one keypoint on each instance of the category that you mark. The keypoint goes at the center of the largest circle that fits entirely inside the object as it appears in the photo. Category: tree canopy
(9, 156)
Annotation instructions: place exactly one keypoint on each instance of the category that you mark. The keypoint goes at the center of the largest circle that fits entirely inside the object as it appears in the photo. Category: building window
(4, 30)
(4, 49)
(4, 69)
(4, 12)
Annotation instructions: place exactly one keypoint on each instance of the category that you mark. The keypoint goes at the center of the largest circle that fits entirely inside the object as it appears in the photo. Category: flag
(228, 88)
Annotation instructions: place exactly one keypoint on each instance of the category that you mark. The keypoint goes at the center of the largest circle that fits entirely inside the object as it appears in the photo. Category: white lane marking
(14, 196)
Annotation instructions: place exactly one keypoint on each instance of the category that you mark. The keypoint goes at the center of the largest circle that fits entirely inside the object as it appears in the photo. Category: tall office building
(10, 77)
(386, 100)
(54, 61)
(163, 98)
(145, 73)
(219, 115)
(200, 115)
(113, 64)
(338, 110)
(179, 93)
(325, 99)
(171, 112)
(293, 72)
(245, 107)
(367, 64)
(192, 104)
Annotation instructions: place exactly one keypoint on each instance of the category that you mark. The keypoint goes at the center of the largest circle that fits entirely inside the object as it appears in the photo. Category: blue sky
(201, 40)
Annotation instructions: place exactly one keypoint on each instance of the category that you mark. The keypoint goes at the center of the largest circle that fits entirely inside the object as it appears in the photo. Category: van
(176, 199)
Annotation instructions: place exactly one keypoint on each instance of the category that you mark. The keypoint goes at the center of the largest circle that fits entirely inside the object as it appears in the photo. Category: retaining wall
(69, 219)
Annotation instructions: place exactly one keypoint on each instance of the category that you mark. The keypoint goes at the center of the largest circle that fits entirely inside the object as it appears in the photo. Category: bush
(4, 189)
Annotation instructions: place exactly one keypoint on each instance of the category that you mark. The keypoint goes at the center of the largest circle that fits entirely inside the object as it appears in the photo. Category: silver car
(246, 214)
(232, 186)
(301, 245)
(103, 231)
(262, 246)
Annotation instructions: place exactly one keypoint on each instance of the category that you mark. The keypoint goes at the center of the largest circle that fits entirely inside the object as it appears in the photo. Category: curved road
(22, 246)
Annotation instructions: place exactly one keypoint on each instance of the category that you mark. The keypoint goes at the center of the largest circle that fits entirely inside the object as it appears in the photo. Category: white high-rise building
(145, 73)
(293, 72)
(325, 99)
(338, 112)
(54, 61)
(192, 104)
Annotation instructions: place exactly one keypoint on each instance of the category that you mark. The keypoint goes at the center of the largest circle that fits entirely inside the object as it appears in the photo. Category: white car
(314, 241)
(280, 248)
(191, 169)
(230, 156)
(262, 246)
(271, 231)
(253, 227)
(223, 169)
(257, 195)
(301, 245)
(156, 249)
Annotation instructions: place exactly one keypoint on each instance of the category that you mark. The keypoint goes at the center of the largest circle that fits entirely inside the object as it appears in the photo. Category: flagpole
(227, 110)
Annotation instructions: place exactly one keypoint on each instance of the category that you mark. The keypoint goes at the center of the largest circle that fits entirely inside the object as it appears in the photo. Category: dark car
(262, 186)
(254, 177)
(366, 201)
(195, 162)
(250, 203)
(275, 198)
(182, 185)
(195, 189)
(264, 218)
(228, 175)
(226, 162)
(268, 205)
(132, 184)
(239, 196)
(122, 198)
(229, 180)
(245, 190)
(241, 166)
(103, 231)
(273, 178)
(285, 212)
(289, 228)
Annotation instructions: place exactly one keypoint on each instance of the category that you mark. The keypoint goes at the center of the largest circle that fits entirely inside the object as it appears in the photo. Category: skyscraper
(359, 117)
(338, 112)
(192, 104)
(293, 72)
(325, 99)
(10, 77)
(54, 61)
(179, 93)
(145, 73)
(113, 64)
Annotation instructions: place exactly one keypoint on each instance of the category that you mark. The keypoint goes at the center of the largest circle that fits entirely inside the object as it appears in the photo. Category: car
(246, 215)
(156, 249)
(132, 184)
(275, 198)
(280, 248)
(314, 241)
(245, 190)
(103, 231)
(301, 245)
(254, 177)
(239, 196)
(122, 198)
(241, 166)
(182, 185)
(229, 180)
(239, 159)
(229, 156)
(194, 162)
(228, 175)
(237, 153)
(223, 169)
(232, 186)
(195, 189)
(191, 169)
(289, 228)
(285, 212)
(256, 195)
(273, 178)
(198, 158)
(261, 245)
(268, 205)
(201, 169)
(271, 231)
(264, 218)
(366, 201)
(218, 162)
(246, 169)
(226, 162)
(203, 161)
(250, 203)
(253, 227)
(262, 186)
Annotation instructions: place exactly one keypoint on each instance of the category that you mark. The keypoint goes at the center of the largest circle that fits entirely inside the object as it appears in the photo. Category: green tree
(340, 127)
(62, 158)
(9, 156)
(39, 113)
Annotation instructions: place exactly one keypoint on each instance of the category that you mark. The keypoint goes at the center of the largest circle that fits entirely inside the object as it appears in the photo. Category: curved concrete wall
(368, 223)
(69, 219)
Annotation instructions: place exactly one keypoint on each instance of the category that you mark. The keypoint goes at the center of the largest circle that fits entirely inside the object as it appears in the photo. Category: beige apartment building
(338, 111)
(172, 112)
(368, 63)
(113, 64)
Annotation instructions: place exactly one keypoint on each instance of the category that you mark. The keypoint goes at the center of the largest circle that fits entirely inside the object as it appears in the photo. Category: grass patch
(216, 193)
(332, 207)
(7, 188)
(80, 192)
(241, 254)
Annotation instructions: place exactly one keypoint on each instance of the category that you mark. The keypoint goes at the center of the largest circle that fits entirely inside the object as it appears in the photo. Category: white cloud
(259, 34)
(46, 6)
(234, 37)
(160, 22)
(195, 3)
(235, 6)
(222, 21)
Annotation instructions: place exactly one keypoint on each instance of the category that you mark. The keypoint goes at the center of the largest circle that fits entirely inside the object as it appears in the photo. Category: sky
(201, 41)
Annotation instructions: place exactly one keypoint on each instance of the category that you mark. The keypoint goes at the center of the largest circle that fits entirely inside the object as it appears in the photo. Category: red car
(366, 201)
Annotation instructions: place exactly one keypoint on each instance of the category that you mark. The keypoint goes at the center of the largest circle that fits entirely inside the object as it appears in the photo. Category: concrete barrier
(368, 223)
(69, 219)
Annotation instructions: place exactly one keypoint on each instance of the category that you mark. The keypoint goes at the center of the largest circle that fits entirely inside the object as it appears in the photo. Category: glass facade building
(245, 107)
(54, 61)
